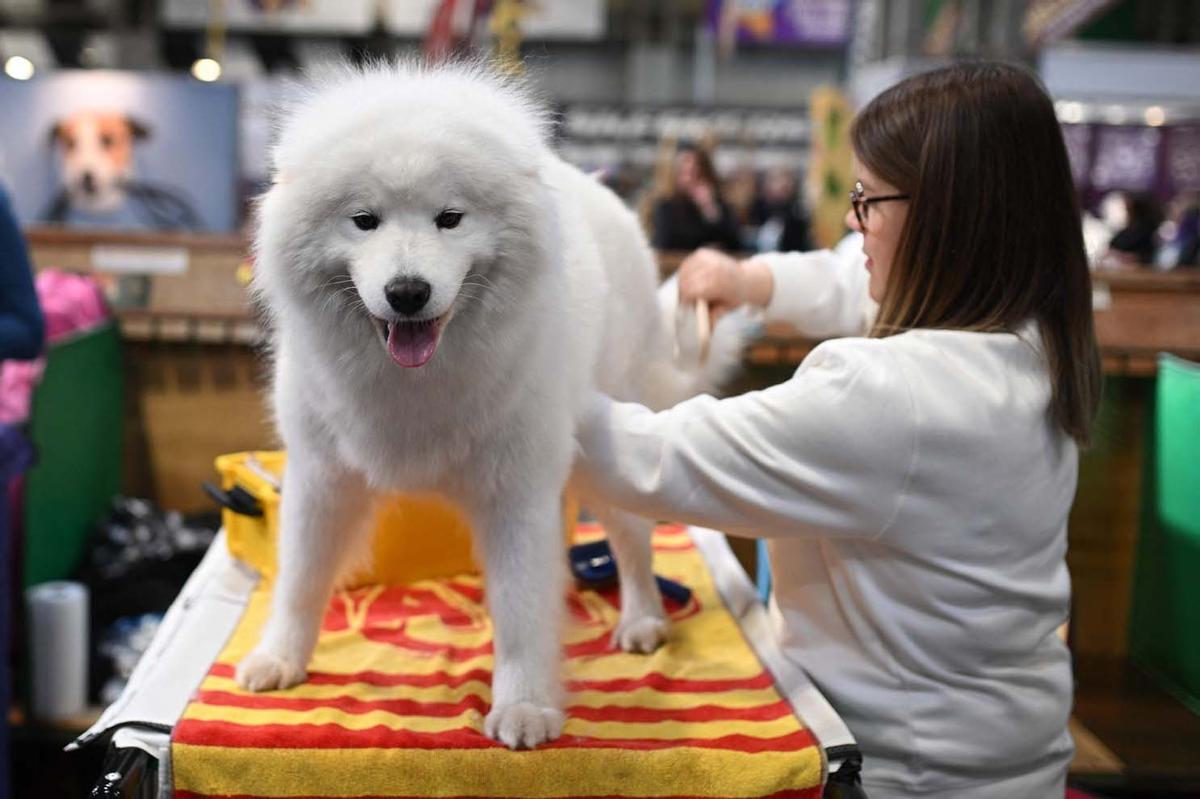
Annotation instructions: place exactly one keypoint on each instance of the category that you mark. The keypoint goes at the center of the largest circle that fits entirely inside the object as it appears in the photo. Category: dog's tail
(667, 381)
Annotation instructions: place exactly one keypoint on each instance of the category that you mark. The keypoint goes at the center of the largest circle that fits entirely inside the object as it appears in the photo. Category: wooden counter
(207, 284)
(1138, 315)
(1147, 313)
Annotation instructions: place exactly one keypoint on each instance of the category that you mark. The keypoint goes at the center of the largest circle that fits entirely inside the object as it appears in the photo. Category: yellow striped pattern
(399, 685)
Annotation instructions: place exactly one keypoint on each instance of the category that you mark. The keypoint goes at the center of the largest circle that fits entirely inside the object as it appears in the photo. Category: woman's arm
(21, 324)
(828, 453)
(822, 293)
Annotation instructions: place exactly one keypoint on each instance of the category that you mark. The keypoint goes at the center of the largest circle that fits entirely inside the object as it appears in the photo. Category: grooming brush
(693, 329)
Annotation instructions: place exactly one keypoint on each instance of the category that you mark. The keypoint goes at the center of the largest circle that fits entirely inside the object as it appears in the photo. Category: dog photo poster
(121, 150)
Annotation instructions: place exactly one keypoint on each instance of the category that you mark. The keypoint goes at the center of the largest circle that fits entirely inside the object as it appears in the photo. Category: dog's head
(95, 150)
(408, 198)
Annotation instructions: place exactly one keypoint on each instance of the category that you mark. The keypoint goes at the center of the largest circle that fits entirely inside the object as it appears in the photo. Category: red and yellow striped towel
(399, 686)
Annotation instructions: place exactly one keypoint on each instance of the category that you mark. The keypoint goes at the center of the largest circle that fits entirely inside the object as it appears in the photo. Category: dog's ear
(138, 129)
(56, 132)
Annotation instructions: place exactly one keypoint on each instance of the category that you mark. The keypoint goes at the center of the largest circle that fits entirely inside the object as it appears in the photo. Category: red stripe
(439, 679)
(346, 704)
(654, 680)
(333, 736)
(378, 678)
(661, 682)
(791, 793)
(664, 546)
(703, 713)
(411, 707)
(400, 639)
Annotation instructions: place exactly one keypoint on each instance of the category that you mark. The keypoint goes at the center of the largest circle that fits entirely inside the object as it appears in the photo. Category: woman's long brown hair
(993, 235)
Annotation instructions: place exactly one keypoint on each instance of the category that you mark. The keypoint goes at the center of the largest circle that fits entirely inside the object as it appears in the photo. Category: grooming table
(399, 686)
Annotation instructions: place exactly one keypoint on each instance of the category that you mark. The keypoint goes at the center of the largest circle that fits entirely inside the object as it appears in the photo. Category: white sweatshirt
(915, 492)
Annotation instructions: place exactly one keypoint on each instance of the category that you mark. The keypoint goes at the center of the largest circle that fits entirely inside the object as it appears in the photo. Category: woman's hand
(723, 282)
(705, 199)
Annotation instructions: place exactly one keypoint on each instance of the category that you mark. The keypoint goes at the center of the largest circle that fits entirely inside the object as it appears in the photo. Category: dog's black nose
(407, 295)
(89, 182)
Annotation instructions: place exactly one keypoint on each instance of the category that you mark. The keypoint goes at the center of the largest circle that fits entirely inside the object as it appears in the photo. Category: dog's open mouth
(411, 344)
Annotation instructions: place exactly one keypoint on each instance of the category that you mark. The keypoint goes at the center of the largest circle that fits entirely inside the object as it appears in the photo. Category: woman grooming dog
(914, 483)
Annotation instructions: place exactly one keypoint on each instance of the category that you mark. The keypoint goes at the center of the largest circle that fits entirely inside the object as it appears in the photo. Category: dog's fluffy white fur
(544, 292)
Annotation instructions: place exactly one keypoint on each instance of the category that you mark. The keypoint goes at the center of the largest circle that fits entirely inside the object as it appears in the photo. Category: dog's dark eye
(365, 220)
(106, 141)
(448, 219)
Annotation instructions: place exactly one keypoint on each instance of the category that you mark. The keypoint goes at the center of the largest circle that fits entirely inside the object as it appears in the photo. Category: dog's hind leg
(324, 520)
(643, 624)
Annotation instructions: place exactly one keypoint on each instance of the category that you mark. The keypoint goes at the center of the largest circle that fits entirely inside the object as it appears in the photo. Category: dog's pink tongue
(413, 345)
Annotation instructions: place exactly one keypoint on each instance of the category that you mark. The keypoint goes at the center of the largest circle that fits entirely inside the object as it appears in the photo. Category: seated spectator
(692, 213)
(1138, 240)
(779, 215)
(1180, 234)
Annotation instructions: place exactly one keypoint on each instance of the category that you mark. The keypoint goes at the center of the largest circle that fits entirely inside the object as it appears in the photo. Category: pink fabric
(70, 303)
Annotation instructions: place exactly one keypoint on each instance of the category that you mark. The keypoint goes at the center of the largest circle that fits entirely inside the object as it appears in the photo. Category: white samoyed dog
(444, 294)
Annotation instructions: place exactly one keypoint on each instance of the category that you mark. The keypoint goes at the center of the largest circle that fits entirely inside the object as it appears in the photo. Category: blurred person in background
(739, 189)
(778, 214)
(688, 209)
(1096, 236)
(1137, 242)
(1180, 235)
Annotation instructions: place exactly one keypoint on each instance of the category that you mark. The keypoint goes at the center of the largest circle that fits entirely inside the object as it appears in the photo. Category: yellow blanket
(399, 686)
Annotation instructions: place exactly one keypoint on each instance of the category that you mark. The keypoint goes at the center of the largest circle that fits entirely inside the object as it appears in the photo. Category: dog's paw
(523, 725)
(644, 634)
(265, 671)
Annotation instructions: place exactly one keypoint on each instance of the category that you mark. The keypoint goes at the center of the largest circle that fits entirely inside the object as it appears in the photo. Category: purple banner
(791, 22)
(1183, 158)
(1078, 139)
(1126, 158)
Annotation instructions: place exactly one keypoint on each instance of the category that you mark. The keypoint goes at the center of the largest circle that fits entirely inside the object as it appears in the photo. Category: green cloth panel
(75, 426)
(1165, 622)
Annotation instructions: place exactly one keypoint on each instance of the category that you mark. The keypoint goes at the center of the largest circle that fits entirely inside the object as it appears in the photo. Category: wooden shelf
(1141, 313)
(207, 295)
(1140, 279)
(165, 325)
(1146, 313)
(58, 236)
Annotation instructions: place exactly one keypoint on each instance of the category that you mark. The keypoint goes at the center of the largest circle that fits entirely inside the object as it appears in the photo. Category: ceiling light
(206, 69)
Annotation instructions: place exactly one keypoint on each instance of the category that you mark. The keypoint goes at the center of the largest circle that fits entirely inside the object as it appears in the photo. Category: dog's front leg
(324, 519)
(520, 535)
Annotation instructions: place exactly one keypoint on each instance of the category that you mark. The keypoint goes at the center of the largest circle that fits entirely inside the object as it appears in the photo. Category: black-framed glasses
(862, 205)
